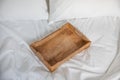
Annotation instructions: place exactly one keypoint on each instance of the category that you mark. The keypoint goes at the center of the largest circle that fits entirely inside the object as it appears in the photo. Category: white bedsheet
(18, 62)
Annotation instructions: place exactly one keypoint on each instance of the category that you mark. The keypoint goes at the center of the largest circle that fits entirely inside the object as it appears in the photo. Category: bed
(99, 62)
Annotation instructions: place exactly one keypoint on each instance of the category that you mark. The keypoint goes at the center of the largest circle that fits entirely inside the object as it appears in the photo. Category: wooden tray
(60, 46)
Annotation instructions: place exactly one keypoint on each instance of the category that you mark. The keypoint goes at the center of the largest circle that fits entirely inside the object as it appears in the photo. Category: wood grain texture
(60, 46)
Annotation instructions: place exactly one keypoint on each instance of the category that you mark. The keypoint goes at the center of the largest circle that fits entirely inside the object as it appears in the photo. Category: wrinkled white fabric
(18, 62)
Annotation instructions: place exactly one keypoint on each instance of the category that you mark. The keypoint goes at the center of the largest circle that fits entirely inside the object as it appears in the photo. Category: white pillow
(67, 9)
(23, 10)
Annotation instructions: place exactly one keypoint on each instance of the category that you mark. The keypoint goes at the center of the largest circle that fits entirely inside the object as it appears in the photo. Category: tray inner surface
(60, 46)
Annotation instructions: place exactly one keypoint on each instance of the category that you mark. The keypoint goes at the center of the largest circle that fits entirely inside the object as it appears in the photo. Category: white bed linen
(23, 10)
(17, 61)
(64, 9)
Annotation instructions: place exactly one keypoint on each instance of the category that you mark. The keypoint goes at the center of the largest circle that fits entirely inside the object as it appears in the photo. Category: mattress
(18, 62)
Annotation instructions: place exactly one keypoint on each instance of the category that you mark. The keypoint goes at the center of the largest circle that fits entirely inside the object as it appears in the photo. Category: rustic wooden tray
(60, 46)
